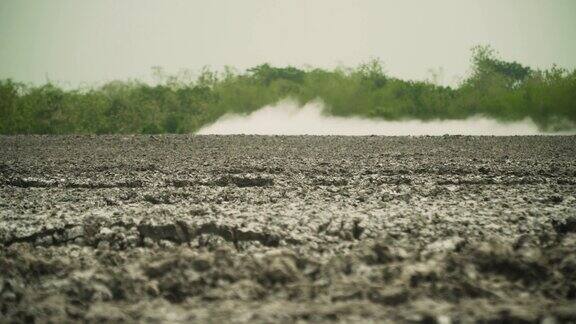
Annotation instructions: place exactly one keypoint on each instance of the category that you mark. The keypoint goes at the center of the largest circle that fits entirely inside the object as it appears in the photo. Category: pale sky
(89, 42)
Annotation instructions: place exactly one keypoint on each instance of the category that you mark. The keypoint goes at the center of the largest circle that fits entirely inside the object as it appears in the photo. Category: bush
(495, 88)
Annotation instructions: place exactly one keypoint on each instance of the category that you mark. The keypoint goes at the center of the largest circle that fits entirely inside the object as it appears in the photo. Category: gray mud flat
(283, 229)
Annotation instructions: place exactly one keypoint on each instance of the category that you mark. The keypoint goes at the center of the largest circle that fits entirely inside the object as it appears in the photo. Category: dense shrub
(495, 88)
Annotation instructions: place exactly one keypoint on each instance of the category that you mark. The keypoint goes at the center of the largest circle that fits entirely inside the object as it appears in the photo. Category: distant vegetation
(506, 91)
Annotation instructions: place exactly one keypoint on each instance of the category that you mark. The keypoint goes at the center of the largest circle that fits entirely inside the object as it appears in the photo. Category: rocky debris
(99, 232)
(32, 183)
(555, 199)
(104, 185)
(244, 181)
(286, 229)
(86, 184)
(158, 198)
(51, 236)
(564, 226)
(330, 181)
(182, 183)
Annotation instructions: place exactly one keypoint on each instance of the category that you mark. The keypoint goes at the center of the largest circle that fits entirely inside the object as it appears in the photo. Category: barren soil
(283, 229)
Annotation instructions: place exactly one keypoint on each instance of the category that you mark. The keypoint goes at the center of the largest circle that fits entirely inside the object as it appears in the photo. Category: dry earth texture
(283, 229)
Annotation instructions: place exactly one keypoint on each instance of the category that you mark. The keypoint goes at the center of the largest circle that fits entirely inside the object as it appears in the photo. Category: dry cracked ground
(286, 229)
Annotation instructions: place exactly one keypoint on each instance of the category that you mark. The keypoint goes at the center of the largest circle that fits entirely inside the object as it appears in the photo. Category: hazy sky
(74, 41)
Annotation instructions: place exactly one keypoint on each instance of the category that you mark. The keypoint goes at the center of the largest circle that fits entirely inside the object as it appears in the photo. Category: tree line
(494, 88)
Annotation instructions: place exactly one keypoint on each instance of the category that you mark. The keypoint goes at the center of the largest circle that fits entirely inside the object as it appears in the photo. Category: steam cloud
(288, 118)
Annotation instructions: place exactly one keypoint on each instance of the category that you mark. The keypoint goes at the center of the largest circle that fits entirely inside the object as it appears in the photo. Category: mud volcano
(283, 229)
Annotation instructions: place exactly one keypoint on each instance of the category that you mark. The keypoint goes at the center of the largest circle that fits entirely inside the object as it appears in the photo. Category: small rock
(202, 263)
(105, 232)
(45, 241)
(389, 296)
(282, 269)
(555, 199)
(166, 244)
(74, 232)
(101, 312)
(565, 226)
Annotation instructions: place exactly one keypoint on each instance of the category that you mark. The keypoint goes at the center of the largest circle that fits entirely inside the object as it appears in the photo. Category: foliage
(495, 88)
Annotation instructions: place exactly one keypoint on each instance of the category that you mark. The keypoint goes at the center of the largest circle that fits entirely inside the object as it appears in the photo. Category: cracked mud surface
(283, 229)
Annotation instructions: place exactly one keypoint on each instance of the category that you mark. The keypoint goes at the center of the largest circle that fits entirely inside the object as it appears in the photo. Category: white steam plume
(287, 118)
